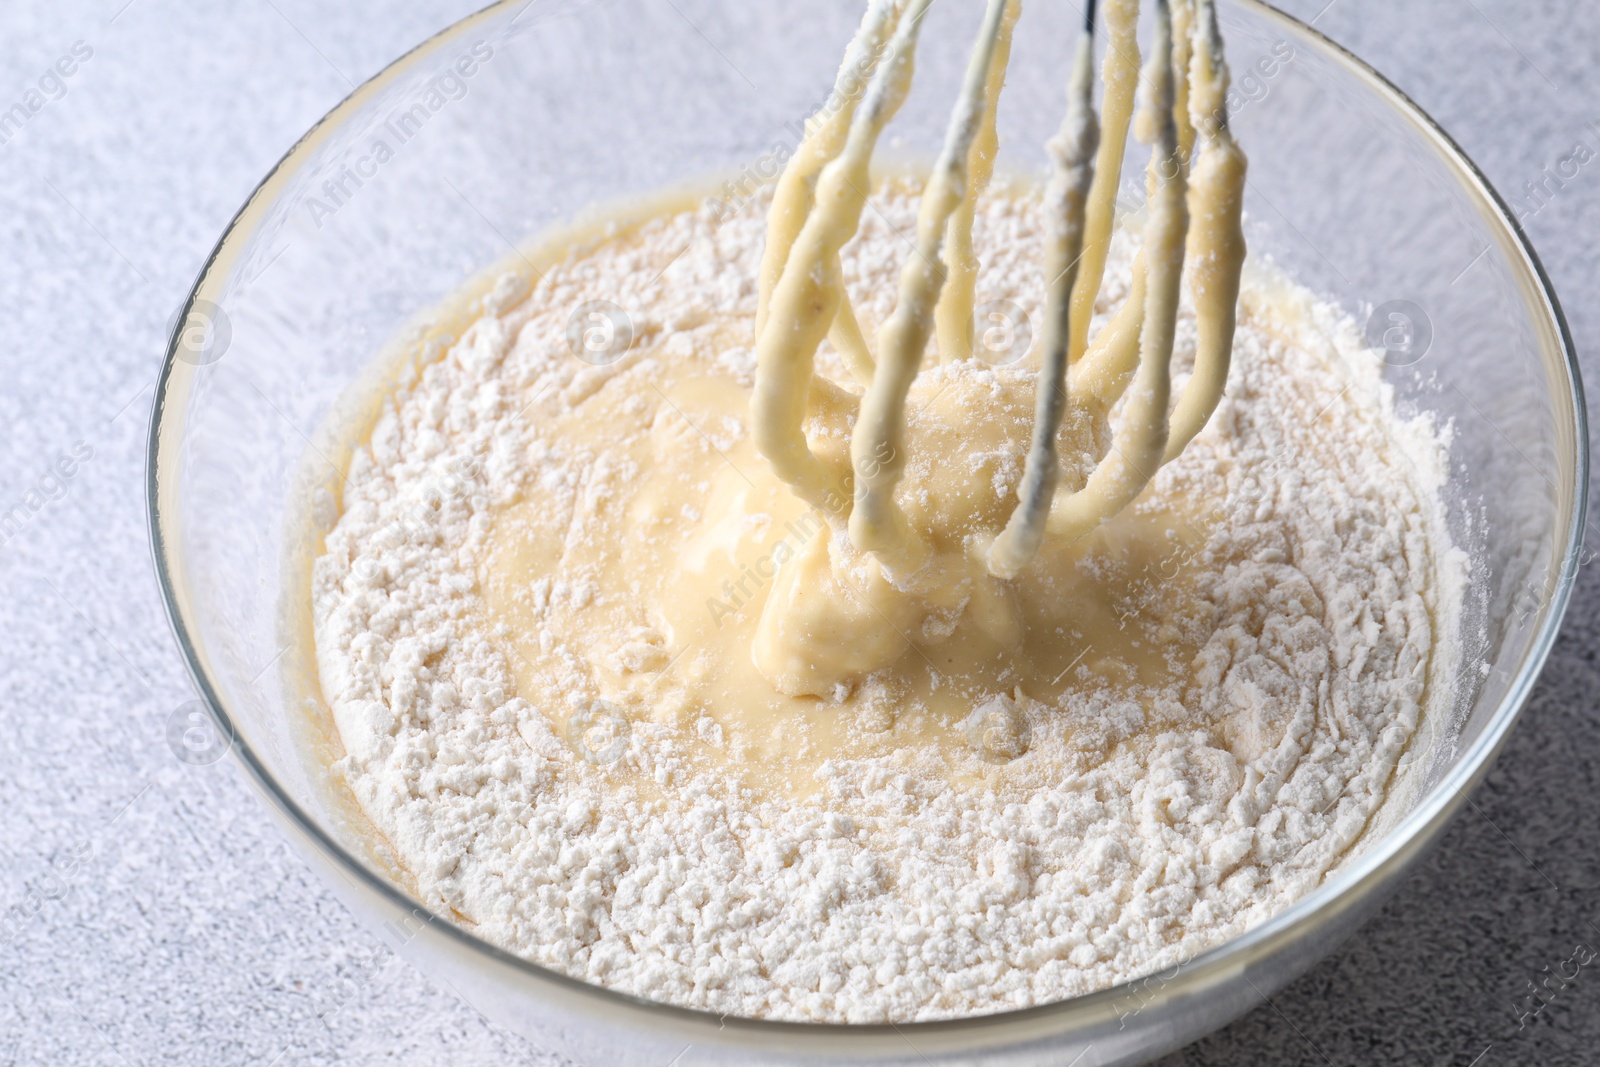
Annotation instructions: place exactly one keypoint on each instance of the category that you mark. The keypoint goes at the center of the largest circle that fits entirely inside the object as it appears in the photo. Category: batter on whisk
(815, 634)
(779, 639)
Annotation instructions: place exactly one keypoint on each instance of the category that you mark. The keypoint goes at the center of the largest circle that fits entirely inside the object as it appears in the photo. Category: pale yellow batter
(711, 593)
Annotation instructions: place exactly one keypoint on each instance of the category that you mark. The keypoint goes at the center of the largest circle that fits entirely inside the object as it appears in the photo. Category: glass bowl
(517, 121)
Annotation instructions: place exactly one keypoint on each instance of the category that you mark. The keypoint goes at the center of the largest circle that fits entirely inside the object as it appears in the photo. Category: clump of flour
(1140, 826)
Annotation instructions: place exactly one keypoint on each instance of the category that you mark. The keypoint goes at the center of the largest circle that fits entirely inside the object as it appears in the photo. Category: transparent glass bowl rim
(1371, 873)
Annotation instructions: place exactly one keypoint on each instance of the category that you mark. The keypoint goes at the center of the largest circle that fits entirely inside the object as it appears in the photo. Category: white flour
(1141, 827)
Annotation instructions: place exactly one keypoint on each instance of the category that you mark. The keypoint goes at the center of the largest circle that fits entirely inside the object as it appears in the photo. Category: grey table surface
(149, 910)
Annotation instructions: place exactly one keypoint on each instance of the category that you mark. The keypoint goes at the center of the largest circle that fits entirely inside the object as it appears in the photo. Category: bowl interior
(520, 120)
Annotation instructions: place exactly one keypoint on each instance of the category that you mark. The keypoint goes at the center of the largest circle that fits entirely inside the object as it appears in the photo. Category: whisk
(1195, 181)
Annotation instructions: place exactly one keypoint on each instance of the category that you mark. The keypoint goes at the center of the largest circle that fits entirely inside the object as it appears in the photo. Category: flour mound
(1142, 824)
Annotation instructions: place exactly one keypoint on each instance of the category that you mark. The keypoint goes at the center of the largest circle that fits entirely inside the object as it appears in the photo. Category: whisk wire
(1195, 172)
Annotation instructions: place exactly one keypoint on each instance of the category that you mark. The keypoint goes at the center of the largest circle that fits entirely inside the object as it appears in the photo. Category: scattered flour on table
(1142, 825)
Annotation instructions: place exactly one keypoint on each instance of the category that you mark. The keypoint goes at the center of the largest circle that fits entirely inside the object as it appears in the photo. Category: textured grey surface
(151, 912)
